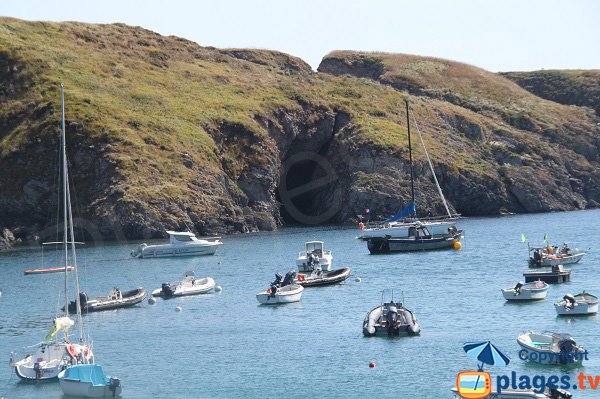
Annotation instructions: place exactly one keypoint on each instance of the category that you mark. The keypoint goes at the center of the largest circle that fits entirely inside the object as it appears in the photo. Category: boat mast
(64, 179)
(69, 212)
(412, 177)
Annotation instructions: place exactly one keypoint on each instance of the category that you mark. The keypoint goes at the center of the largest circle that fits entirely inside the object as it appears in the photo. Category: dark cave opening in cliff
(301, 184)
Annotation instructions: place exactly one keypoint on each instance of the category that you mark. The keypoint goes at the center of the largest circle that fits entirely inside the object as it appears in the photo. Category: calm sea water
(225, 345)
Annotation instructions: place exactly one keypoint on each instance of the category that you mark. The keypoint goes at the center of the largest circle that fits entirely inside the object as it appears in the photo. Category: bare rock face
(7, 239)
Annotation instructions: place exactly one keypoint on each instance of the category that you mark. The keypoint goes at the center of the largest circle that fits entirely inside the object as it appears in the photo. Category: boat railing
(410, 221)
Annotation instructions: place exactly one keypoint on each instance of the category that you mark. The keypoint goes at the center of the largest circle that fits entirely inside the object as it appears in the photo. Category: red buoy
(372, 364)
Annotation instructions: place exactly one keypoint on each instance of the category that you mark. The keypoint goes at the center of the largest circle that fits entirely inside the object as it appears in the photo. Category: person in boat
(312, 260)
(537, 256)
(289, 278)
(564, 250)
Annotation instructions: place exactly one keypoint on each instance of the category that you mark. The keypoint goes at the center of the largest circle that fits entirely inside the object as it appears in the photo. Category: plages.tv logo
(474, 384)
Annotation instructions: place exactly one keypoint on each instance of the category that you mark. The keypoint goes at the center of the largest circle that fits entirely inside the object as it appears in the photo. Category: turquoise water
(225, 345)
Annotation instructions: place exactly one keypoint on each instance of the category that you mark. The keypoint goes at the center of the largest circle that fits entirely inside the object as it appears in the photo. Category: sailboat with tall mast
(55, 354)
(405, 231)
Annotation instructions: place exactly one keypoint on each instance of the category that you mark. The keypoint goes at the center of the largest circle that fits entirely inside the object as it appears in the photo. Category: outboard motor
(113, 384)
(83, 298)
(567, 346)
(570, 300)
(289, 278)
(38, 370)
(167, 290)
(518, 287)
(277, 281)
(392, 318)
(556, 393)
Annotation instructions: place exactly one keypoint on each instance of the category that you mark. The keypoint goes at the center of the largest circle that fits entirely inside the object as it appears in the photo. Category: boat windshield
(182, 238)
(314, 247)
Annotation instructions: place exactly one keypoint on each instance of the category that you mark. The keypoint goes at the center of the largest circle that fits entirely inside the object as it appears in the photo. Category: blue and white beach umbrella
(486, 353)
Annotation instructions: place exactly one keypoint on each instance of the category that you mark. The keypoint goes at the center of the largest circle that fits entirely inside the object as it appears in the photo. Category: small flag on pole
(545, 238)
(523, 239)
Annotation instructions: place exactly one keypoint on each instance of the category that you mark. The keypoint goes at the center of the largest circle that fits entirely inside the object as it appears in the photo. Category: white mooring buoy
(218, 288)
(151, 300)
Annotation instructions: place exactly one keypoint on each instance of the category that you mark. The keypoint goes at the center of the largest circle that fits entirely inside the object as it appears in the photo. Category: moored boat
(555, 275)
(532, 291)
(180, 244)
(116, 299)
(282, 290)
(54, 354)
(553, 255)
(189, 285)
(405, 232)
(575, 305)
(314, 256)
(320, 278)
(509, 393)
(48, 270)
(550, 348)
(390, 319)
(89, 381)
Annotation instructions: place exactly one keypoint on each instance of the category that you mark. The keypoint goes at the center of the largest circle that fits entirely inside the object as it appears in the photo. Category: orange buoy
(457, 245)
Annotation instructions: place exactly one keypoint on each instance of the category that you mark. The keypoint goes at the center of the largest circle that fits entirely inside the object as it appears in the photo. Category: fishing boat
(314, 256)
(548, 393)
(550, 348)
(54, 355)
(89, 381)
(574, 305)
(390, 319)
(286, 294)
(114, 300)
(553, 255)
(189, 285)
(319, 278)
(535, 290)
(405, 232)
(48, 270)
(180, 244)
(555, 275)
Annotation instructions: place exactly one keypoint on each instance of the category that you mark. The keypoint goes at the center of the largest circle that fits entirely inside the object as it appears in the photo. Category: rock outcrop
(165, 134)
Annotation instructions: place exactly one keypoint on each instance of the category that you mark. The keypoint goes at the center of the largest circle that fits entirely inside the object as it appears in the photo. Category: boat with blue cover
(89, 381)
(405, 232)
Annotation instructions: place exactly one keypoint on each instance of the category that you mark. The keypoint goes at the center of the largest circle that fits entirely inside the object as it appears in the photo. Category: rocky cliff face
(165, 134)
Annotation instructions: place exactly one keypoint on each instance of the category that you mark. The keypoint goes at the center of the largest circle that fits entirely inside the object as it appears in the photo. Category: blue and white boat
(88, 381)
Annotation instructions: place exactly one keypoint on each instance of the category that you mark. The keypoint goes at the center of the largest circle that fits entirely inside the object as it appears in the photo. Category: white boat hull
(400, 230)
(189, 287)
(51, 359)
(287, 294)
(528, 292)
(579, 309)
(168, 250)
(543, 349)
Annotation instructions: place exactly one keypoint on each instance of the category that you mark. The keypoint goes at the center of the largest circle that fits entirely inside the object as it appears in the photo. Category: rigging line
(430, 164)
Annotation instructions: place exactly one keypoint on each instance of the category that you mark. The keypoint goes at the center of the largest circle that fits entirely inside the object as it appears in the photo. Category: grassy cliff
(163, 133)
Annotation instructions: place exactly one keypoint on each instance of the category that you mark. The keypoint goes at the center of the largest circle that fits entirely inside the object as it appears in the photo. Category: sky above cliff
(507, 35)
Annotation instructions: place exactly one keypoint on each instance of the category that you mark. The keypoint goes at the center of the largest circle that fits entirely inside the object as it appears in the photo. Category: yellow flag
(523, 239)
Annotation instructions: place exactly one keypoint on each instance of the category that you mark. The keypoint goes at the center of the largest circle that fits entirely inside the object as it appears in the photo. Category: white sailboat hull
(51, 359)
(194, 249)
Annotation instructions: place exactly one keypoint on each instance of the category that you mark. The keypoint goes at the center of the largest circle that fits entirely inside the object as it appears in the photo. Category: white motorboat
(276, 295)
(526, 292)
(313, 257)
(180, 244)
(390, 319)
(550, 348)
(54, 355)
(189, 285)
(89, 381)
(553, 255)
(576, 305)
